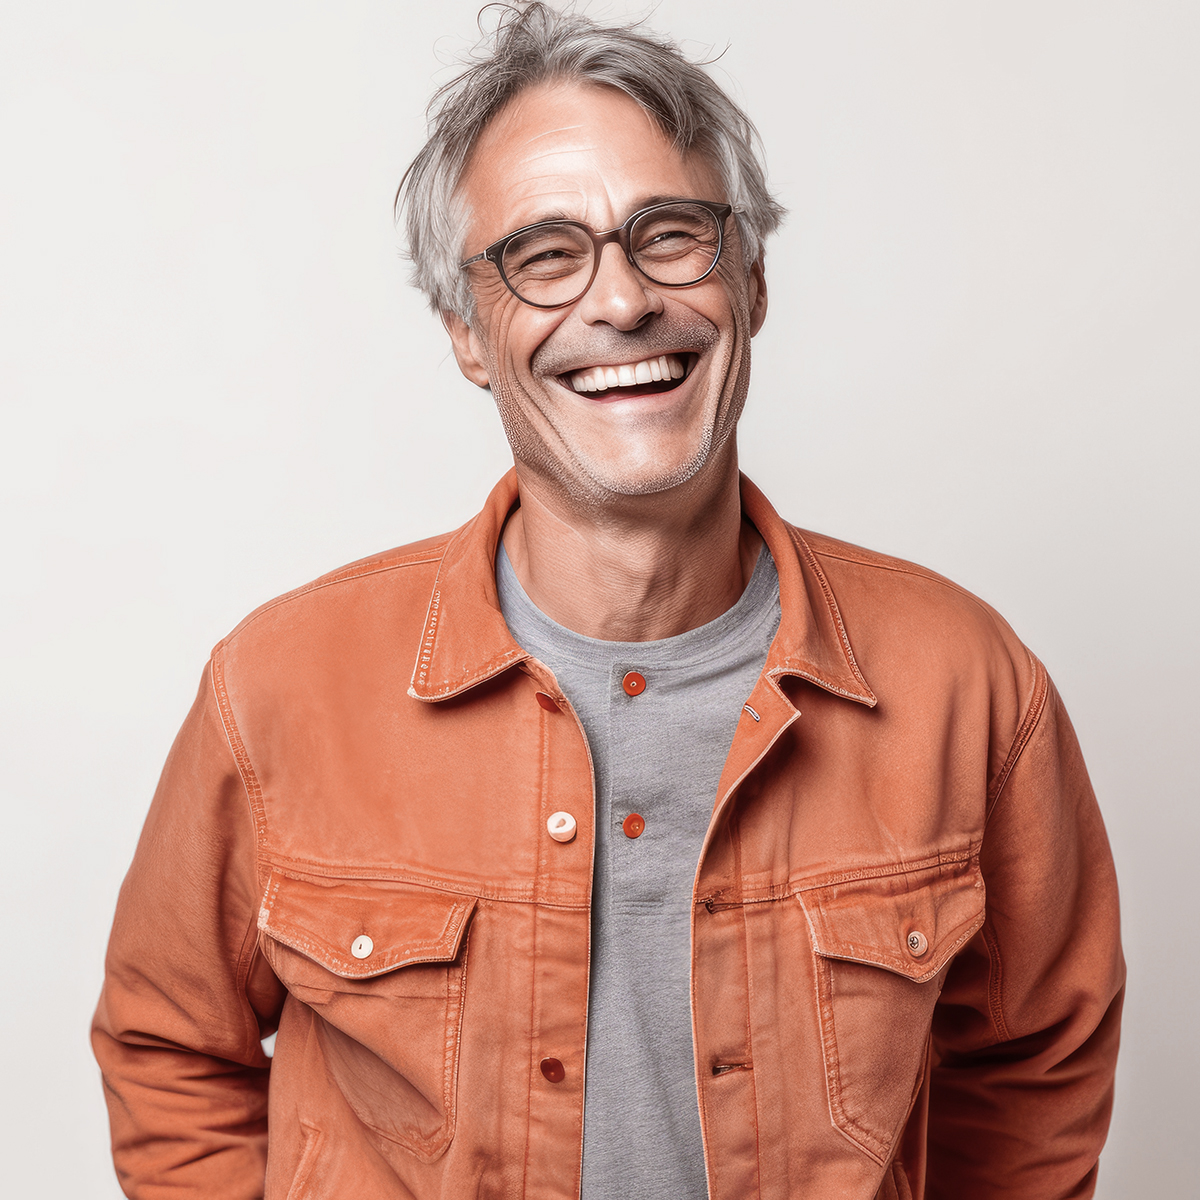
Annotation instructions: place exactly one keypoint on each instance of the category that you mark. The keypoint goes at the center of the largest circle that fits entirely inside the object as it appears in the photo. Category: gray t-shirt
(658, 754)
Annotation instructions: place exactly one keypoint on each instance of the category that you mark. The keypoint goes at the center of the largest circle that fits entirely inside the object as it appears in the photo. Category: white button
(362, 946)
(917, 943)
(561, 826)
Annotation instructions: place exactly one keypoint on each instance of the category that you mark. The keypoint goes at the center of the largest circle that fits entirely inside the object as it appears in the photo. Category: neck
(640, 569)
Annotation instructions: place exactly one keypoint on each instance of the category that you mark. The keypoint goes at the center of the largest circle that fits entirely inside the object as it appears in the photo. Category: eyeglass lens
(551, 263)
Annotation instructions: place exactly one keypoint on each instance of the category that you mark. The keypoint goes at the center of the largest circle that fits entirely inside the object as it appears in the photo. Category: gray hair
(533, 44)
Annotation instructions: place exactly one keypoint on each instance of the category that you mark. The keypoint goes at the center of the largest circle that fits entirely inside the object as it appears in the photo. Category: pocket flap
(910, 922)
(358, 929)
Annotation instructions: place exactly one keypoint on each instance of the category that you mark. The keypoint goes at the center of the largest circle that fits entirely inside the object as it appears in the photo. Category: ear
(468, 349)
(758, 296)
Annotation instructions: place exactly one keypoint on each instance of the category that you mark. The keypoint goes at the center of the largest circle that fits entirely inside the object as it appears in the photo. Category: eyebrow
(557, 214)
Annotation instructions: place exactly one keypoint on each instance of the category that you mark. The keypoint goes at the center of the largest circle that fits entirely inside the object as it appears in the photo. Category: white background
(982, 354)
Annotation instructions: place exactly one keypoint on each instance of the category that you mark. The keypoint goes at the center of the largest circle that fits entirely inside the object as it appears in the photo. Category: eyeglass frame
(495, 252)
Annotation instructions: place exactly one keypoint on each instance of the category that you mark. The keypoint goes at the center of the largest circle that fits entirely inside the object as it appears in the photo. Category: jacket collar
(465, 640)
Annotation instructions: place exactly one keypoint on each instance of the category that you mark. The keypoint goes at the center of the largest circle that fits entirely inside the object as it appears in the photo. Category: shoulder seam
(1039, 690)
(901, 567)
(345, 575)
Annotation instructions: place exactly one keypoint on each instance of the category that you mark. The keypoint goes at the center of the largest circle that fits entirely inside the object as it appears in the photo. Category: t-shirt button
(633, 825)
(634, 683)
(553, 1070)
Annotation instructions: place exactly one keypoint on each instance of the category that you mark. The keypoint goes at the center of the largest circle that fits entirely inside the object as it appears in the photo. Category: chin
(650, 475)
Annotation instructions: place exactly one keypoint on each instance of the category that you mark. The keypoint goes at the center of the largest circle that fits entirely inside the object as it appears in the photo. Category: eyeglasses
(551, 264)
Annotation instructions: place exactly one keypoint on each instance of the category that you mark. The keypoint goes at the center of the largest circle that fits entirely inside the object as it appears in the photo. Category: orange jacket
(906, 970)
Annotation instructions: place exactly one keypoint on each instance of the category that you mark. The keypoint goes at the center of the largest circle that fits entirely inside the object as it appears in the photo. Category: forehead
(575, 150)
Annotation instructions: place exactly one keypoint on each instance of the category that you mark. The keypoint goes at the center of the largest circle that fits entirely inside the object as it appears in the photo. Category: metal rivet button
(553, 1070)
(362, 946)
(633, 825)
(547, 702)
(561, 826)
(634, 683)
(917, 943)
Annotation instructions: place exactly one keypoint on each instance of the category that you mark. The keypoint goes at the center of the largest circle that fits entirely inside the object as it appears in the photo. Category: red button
(547, 702)
(553, 1070)
(634, 684)
(633, 825)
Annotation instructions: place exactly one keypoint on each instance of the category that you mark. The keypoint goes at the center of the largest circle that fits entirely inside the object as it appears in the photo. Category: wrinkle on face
(601, 161)
(519, 167)
(552, 132)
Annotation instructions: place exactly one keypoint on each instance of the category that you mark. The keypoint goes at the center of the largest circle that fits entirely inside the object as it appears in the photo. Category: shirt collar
(465, 641)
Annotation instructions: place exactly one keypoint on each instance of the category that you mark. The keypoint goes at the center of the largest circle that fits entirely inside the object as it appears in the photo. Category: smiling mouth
(647, 377)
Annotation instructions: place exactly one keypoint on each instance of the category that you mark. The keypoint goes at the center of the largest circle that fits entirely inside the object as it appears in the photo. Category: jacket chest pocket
(880, 946)
(383, 967)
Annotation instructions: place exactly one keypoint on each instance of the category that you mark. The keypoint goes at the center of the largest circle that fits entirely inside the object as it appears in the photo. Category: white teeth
(650, 370)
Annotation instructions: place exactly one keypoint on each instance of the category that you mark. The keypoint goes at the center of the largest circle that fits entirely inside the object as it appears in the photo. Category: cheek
(501, 334)
(735, 284)
(514, 331)
(491, 306)
(724, 297)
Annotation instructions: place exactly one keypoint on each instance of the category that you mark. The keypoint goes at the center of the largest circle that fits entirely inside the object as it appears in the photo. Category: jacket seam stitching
(995, 983)
(1037, 706)
(346, 575)
(900, 567)
(533, 996)
(942, 858)
(775, 892)
(241, 758)
(291, 933)
(249, 946)
(429, 632)
(470, 677)
(736, 838)
(843, 1122)
(831, 603)
(544, 737)
(914, 570)
(1033, 715)
(302, 868)
(776, 673)
(452, 1077)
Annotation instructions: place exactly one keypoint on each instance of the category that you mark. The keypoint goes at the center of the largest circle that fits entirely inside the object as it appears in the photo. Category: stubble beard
(588, 480)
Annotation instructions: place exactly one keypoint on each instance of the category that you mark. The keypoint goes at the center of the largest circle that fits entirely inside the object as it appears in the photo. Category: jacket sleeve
(186, 995)
(1025, 1035)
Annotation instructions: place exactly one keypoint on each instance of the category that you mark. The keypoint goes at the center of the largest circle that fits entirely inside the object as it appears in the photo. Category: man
(627, 841)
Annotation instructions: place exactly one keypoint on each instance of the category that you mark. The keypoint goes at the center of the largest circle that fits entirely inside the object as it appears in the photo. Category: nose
(619, 295)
